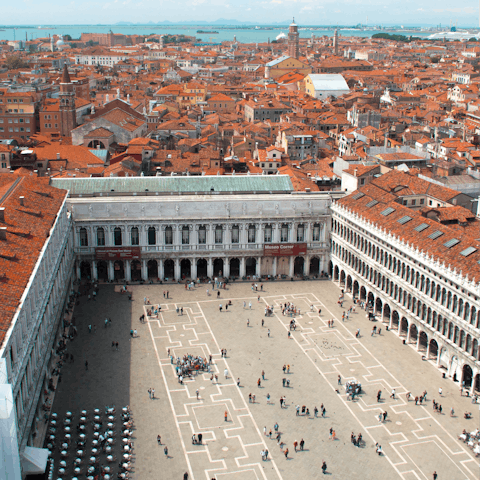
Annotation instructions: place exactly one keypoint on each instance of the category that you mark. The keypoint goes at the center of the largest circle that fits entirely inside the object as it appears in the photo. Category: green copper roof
(175, 185)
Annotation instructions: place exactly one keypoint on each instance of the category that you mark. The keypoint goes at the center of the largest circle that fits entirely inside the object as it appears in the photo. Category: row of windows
(202, 235)
(439, 323)
(16, 120)
(49, 125)
(436, 292)
(11, 129)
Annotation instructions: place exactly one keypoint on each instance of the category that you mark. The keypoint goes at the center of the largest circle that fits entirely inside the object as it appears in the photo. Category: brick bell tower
(68, 116)
(293, 40)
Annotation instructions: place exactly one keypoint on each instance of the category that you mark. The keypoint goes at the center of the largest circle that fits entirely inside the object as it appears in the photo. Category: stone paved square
(414, 439)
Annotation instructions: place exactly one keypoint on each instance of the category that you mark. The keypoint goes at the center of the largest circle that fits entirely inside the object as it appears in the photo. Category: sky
(306, 12)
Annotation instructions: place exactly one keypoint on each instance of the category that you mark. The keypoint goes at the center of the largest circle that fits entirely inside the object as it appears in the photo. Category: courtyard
(416, 441)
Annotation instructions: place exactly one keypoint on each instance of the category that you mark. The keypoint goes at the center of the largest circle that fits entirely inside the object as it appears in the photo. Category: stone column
(127, 265)
(427, 355)
(418, 341)
(94, 270)
(439, 351)
(160, 269)
(306, 268)
(177, 269)
(390, 323)
(226, 267)
(408, 332)
(472, 387)
(291, 265)
(258, 267)
(111, 271)
(274, 266)
(210, 267)
(242, 267)
(144, 270)
(193, 268)
(79, 271)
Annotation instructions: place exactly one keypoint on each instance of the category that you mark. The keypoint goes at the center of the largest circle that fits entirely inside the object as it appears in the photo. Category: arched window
(134, 236)
(168, 236)
(100, 237)
(284, 233)
(117, 236)
(83, 237)
(316, 233)
(152, 236)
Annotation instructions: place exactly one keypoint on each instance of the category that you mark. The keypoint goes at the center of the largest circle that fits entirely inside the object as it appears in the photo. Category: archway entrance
(467, 376)
(477, 382)
(349, 284)
(85, 271)
(395, 320)
(433, 353)
(355, 289)
(185, 268)
(251, 266)
(218, 267)
(152, 269)
(136, 270)
(118, 270)
(234, 267)
(422, 344)
(335, 273)
(378, 305)
(363, 293)
(370, 300)
(413, 333)
(102, 270)
(314, 266)
(169, 269)
(298, 266)
(403, 327)
(386, 313)
(201, 268)
(342, 278)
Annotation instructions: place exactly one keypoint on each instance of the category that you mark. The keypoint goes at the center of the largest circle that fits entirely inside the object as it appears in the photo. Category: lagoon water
(246, 34)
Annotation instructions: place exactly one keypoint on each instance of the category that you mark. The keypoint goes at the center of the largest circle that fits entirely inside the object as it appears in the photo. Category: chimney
(22, 200)
(3, 233)
(355, 172)
(2, 214)
(58, 156)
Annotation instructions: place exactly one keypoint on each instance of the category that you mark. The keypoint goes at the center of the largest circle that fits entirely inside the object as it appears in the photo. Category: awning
(34, 460)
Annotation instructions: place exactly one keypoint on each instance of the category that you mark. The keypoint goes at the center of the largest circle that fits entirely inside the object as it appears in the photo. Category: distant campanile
(293, 40)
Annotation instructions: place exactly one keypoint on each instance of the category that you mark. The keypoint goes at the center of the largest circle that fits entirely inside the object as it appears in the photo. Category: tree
(14, 62)
(67, 38)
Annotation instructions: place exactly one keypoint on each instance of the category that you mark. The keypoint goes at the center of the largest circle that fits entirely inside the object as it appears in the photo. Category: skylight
(435, 235)
(468, 251)
(404, 220)
(372, 203)
(388, 211)
(421, 227)
(451, 243)
(358, 195)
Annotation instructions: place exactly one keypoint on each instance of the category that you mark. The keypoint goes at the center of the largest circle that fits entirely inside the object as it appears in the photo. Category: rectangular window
(4, 164)
(235, 234)
(300, 233)
(251, 234)
(83, 237)
(218, 235)
(168, 236)
(101, 237)
(268, 234)
(135, 239)
(202, 236)
(185, 236)
(316, 233)
(284, 233)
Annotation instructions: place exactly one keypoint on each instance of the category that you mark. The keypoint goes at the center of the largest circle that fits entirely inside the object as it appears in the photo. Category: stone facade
(197, 236)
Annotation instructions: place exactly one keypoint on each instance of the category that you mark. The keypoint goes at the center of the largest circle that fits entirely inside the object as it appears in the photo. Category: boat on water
(206, 31)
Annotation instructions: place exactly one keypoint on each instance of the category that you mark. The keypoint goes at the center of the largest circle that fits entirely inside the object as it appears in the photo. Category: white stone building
(419, 275)
(36, 265)
(142, 228)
